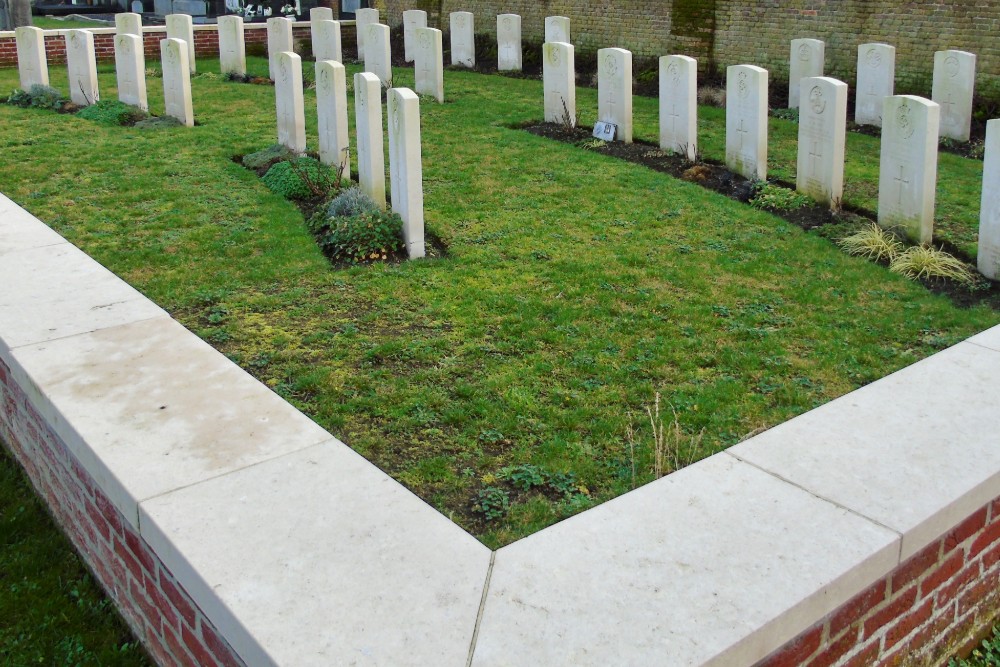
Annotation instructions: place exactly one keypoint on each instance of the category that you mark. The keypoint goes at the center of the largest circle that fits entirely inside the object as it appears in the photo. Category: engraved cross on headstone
(673, 117)
(901, 181)
(508, 53)
(742, 133)
(815, 154)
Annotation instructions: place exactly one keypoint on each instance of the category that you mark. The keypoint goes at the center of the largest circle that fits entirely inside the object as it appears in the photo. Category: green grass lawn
(50, 23)
(576, 288)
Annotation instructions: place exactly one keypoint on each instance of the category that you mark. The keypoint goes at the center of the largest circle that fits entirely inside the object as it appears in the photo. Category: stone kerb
(81, 63)
(428, 68)
(463, 39)
(331, 116)
(679, 105)
(876, 70)
(412, 20)
(822, 139)
(614, 91)
(179, 26)
(746, 121)
(130, 69)
(907, 184)
(806, 59)
(289, 102)
(774, 545)
(559, 83)
(405, 167)
(32, 64)
(232, 45)
(509, 43)
(988, 259)
(954, 80)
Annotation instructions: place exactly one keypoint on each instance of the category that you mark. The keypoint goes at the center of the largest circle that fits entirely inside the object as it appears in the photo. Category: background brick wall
(727, 32)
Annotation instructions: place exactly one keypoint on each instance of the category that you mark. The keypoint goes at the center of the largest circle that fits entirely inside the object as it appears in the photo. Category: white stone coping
(162, 28)
(303, 553)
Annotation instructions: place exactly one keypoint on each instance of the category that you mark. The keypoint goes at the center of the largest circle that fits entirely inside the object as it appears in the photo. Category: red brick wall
(924, 611)
(157, 608)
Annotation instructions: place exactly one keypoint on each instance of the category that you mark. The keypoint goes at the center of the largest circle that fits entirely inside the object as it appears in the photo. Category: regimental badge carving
(816, 100)
(873, 58)
(554, 58)
(742, 85)
(904, 119)
(674, 72)
(805, 52)
(610, 65)
(951, 66)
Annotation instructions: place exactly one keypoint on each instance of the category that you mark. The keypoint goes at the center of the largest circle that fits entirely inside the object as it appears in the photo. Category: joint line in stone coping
(482, 608)
(980, 345)
(824, 499)
(90, 331)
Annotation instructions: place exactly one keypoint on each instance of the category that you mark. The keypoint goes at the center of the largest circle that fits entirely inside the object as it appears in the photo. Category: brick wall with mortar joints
(927, 609)
(161, 614)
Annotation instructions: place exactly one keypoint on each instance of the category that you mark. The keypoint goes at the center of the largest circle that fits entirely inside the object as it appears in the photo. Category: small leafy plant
(365, 237)
(298, 179)
(777, 198)
(786, 114)
(38, 96)
(986, 655)
(112, 112)
(492, 502)
(872, 242)
(351, 202)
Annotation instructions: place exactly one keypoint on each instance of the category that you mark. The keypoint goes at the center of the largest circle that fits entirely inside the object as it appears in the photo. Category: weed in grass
(592, 144)
(873, 242)
(673, 449)
(776, 198)
(928, 262)
(492, 502)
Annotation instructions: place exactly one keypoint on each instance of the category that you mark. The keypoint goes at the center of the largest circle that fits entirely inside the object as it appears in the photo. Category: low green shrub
(300, 178)
(777, 198)
(872, 242)
(351, 202)
(42, 97)
(263, 159)
(786, 114)
(929, 262)
(368, 236)
(112, 112)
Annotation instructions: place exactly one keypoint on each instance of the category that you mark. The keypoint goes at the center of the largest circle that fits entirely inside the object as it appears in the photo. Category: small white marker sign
(605, 131)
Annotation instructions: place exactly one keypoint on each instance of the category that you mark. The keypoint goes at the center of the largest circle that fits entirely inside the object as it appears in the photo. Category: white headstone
(405, 169)
(908, 165)
(429, 63)
(232, 47)
(954, 80)
(326, 40)
(331, 113)
(557, 29)
(128, 23)
(179, 26)
(463, 39)
(32, 65)
(362, 19)
(509, 42)
(320, 14)
(614, 90)
(876, 81)
(822, 136)
(559, 82)
(412, 19)
(176, 80)
(378, 58)
(137, 7)
(279, 40)
(289, 103)
(130, 67)
(746, 121)
(368, 125)
(81, 61)
(679, 105)
(989, 209)
(806, 60)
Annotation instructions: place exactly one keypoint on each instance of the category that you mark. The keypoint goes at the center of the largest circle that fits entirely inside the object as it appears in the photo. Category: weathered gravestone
(614, 91)
(989, 209)
(279, 40)
(405, 169)
(412, 19)
(176, 80)
(509, 43)
(368, 126)
(331, 114)
(954, 80)
(806, 60)
(378, 58)
(679, 105)
(326, 40)
(289, 103)
(232, 47)
(557, 29)
(822, 136)
(320, 14)
(429, 63)
(362, 19)
(559, 82)
(128, 23)
(908, 165)
(179, 26)
(130, 68)
(32, 65)
(876, 81)
(81, 63)
(463, 39)
(746, 121)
